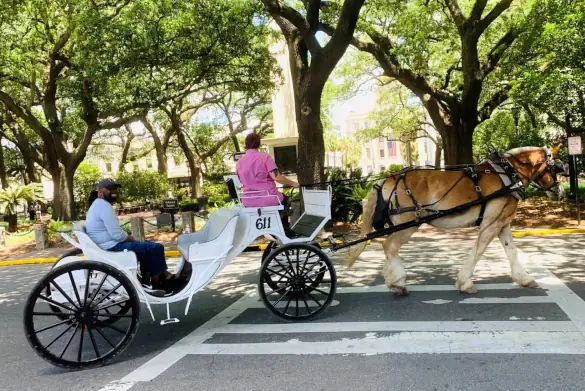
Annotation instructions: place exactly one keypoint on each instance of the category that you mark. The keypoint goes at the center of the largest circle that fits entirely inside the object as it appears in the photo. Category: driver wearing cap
(104, 229)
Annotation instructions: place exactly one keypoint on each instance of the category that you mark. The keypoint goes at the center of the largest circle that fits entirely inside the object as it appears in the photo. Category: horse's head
(539, 166)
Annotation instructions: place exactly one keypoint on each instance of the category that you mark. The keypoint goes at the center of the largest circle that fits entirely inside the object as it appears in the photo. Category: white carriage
(85, 311)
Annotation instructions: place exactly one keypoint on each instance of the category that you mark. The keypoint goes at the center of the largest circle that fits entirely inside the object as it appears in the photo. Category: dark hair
(252, 141)
(92, 197)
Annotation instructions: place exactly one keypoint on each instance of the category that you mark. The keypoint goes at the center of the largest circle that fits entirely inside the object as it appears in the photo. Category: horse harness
(509, 177)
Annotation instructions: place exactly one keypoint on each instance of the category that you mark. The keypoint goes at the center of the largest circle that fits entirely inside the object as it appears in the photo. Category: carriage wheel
(274, 281)
(120, 309)
(306, 282)
(82, 333)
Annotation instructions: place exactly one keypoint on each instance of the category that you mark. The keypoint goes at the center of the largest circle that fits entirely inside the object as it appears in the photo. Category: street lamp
(20, 166)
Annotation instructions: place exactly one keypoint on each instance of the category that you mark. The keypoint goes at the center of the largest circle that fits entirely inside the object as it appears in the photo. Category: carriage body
(112, 278)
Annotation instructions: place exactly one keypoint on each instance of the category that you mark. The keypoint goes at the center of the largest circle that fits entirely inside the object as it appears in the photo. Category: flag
(391, 148)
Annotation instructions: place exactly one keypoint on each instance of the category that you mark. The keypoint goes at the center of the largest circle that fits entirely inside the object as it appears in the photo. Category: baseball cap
(107, 183)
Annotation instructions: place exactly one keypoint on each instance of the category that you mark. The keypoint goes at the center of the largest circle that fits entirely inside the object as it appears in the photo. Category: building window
(366, 125)
(135, 168)
(382, 168)
(177, 160)
(108, 166)
(381, 139)
(381, 153)
(370, 170)
(356, 126)
(149, 163)
(368, 153)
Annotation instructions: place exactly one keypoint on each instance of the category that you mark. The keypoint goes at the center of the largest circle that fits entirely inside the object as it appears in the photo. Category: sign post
(171, 206)
(575, 148)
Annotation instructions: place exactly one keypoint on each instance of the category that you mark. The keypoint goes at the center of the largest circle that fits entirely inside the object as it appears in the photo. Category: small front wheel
(305, 282)
(82, 333)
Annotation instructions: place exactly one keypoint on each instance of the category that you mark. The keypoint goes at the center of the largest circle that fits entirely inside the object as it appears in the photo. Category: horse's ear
(555, 150)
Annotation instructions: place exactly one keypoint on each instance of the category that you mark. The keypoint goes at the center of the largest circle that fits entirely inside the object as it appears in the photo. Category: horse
(415, 193)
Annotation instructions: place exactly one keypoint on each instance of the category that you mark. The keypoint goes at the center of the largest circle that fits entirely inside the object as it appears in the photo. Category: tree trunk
(458, 145)
(63, 200)
(30, 170)
(311, 146)
(191, 161)
(3, 179)
(236, 143)
(438, 152)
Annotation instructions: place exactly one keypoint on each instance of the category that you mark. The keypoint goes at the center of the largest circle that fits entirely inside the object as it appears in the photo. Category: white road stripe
(509, 300)
(282, 304)
(423, 288)
(118, 386)
(340, 327)
(423, 342)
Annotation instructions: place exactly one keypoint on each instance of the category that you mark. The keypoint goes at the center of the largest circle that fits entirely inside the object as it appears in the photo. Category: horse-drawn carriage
(85, 312)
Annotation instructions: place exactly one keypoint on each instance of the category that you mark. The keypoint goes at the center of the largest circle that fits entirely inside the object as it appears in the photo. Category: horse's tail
(367, 223)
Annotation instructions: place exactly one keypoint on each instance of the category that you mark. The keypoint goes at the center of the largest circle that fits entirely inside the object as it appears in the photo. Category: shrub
(86, 177)
(143, 186)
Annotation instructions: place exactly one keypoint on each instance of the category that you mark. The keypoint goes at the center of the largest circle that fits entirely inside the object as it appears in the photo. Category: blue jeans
(150, 254)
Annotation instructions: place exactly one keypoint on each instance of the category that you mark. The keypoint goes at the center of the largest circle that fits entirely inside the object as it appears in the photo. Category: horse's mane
(520, 150)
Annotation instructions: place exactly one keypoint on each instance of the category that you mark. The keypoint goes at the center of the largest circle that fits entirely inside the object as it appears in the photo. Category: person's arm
(108, 215)
(279, 178)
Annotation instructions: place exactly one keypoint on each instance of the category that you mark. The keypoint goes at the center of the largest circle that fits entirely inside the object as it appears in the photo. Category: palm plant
(14, 196)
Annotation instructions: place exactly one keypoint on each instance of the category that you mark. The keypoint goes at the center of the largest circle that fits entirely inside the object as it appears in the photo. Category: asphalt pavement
(503, 338)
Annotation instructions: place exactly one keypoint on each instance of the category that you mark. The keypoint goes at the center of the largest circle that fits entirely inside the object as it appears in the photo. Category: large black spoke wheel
(275, 281)
(120, 309)
(82, 334)
(306, 282)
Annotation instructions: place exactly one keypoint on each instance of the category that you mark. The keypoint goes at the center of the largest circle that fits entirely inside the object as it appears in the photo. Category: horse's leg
(394, 273)
(485, 237)
(519, 275)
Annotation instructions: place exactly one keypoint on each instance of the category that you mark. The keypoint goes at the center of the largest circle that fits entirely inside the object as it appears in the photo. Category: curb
(261, 247)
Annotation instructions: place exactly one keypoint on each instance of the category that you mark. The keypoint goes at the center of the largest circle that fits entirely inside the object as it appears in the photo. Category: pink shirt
(253, 169)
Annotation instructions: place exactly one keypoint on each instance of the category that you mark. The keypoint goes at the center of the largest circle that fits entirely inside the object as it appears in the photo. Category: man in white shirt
(104, 229)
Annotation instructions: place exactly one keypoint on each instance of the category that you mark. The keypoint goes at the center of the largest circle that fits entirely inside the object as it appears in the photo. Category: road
(503, 338)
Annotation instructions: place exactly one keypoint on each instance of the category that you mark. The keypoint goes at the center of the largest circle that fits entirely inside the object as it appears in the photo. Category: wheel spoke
(59, 314)
(276, 273)
(80, 351)
(95, 348)
(306, 305)
(290, 263)
(297, 308)
(315, 300)
(287, 305)
(106, 338)
(53, 325)
(60, 335)
(285, 293)
(112, 305)
(284, 268)
(95, 293)
(111, 326)
(70, 339)
(116, 316)
(74, 285)
(86, 294)
(108, 295)
(56, 303)
(276, 290)
(63, 293)
(320, 291)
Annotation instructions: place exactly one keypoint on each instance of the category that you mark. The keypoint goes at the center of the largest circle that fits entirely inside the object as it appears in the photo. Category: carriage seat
(211, 240)
(93, 252)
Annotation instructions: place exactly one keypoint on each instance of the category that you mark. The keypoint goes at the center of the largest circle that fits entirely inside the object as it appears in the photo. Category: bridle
(552, 167)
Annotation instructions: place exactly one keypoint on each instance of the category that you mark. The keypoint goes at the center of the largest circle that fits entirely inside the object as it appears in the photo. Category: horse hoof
(531, 284)
(470, 291)
(400, 291)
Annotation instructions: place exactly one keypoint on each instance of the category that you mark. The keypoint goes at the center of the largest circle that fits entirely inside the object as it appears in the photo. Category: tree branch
(499, 9)
(456, 13)
(495, 55)
(283, 11)
(497, 99)
(478, 9)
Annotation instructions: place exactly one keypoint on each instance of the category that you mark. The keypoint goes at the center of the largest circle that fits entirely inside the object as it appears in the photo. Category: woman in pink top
(258, 173)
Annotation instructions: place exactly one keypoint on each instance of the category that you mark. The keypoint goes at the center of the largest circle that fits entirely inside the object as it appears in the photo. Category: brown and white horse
(443, 190)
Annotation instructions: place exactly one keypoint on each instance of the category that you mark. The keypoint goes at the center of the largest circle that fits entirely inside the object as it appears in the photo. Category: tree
(14, 196)
(143, 186)
(73, 69)
(450, 55)
(85, 181)
(311, 65)
(553, 81)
